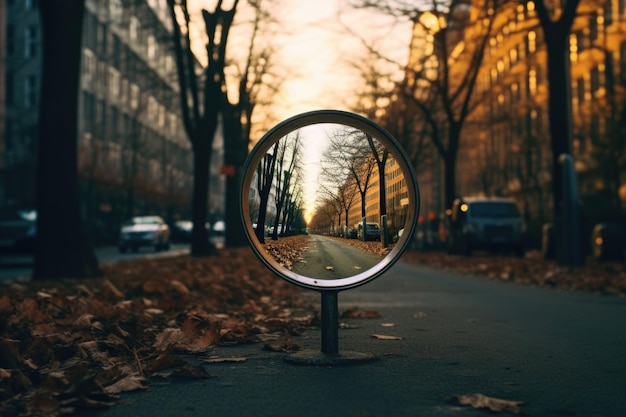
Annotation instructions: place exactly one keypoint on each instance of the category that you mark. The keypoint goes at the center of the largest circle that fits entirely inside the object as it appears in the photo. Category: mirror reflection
(328, 201)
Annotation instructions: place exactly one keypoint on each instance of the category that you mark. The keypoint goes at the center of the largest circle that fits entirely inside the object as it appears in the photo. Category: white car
(144, 231)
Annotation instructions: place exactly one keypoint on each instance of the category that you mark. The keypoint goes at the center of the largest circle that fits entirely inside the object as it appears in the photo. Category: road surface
(328, 258)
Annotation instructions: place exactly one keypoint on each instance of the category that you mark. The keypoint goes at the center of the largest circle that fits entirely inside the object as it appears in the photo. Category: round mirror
(329, 200)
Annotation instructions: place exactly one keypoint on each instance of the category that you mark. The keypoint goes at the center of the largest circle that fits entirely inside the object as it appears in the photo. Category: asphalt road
(561, 353)
(19, 267)
(328, 258)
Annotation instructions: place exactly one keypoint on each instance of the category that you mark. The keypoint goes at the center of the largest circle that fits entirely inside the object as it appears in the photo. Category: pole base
(317, 358)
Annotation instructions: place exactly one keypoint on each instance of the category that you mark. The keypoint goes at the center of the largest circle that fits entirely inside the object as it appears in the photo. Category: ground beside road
(78, 344)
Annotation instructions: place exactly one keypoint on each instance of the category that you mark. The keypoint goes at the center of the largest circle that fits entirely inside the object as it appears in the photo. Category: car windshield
(494, 209)
(372, 226)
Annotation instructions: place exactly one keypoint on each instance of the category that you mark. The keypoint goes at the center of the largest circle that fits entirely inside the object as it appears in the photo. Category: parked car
(18, 230)
(144, 231)
(486, 223)
(352, 233)
(371, 232)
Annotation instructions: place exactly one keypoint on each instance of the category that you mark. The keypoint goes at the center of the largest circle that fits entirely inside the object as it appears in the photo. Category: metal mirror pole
(330, 322)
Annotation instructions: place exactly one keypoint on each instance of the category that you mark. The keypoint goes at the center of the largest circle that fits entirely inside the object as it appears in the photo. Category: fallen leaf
(385, 337)
(330, 268)
(420, 315)
(130, 383)
(496, 405)
(387, 324)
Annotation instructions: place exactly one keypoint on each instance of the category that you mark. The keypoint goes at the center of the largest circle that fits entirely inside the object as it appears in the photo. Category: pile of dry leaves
(374, 247)
(287, 250)
(75, 344)
(605, 277)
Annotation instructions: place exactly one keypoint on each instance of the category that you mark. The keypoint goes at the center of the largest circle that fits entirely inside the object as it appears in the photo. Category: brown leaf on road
(129, 383)
(496, 405)
(385, 337)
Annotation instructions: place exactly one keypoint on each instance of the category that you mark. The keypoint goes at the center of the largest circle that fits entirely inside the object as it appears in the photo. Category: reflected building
(396, 198)
(134, 155)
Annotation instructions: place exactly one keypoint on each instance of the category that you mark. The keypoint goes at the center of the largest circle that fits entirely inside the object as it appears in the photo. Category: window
(608, 12)
(580, 89)
(115, 11)
(595, 80)
(513, 56)
(114, 83)
(593, 27)
(531, 42)
(134, 96)
(30, 91)
(134, 29)
(532, 82)
(573, 48)
(89, 66)
(30, 42)
(152, 48)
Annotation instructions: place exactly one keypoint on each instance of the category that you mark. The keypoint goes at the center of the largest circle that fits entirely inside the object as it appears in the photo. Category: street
(19, 267)
(328, 258)
(561, 353)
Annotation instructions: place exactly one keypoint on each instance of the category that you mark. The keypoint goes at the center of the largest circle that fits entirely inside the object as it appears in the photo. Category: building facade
(134, 155)
(505, 141)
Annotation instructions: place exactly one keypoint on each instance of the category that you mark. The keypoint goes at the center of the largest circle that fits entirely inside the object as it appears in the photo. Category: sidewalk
(442, 337)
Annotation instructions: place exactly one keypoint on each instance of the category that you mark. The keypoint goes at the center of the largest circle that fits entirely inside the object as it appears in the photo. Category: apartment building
(396, 198)
(505, 142)
(510, 141)
(134, 156)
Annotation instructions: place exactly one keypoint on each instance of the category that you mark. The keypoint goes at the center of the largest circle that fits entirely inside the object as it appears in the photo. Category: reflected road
(329, 258)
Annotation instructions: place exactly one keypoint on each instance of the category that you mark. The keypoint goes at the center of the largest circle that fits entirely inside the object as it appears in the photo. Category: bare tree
(200, 109)
(265, 180)
(58, 207)
(250, 78)
(287, 160)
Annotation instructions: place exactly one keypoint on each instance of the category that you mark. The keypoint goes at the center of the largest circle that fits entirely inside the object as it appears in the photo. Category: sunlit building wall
(396, 197)
(507, 140)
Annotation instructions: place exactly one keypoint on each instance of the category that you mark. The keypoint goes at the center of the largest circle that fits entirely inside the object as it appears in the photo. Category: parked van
(486, 223)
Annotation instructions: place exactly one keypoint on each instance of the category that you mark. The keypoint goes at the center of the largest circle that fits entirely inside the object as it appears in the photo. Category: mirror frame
(328, 117)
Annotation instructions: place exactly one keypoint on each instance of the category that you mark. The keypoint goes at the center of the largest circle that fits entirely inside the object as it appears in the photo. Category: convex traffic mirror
(329, 203)
(329, 200)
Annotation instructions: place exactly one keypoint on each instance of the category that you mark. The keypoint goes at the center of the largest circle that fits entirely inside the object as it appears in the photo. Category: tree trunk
(234, 156)
(200, 245)
(63, 249)
(559, 108)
